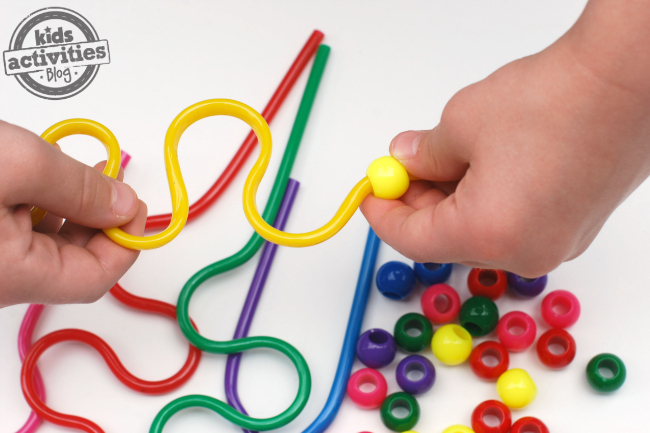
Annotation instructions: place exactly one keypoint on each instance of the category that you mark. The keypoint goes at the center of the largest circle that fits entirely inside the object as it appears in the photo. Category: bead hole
(473, 328)
(367, 383)
(414, 372)
(491, 358)
(558, 345)
(517, 326)
(441, 303)
(561, 306)
(391, 295)
(487, 277)
(530, 428)
(400, 409)
(607, 369)
(492, 417)
(414, 328)
(432, 266)
(527, 280)
(462, 333)
(378, 337)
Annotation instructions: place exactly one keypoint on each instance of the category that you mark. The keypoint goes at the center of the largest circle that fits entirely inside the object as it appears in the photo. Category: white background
(393, 66)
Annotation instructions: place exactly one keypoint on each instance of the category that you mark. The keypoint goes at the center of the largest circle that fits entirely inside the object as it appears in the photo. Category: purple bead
(525, 287)
(415, 365)
(376, 348)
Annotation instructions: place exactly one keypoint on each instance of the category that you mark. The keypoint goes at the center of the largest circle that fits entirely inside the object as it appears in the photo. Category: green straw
(237, 259)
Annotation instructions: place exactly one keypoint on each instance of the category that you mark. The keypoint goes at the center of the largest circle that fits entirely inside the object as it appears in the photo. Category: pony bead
(395, 280)
(458, 429)
(413, 343)
(487, 349)
(452, 344)
(529, 424)
(491, 283)
(525, 287)
(370, 399)
(568, 306)
(388, 178)
(479, 315)
(440, 303)
(495, 409)
(558, 337)
(516, 388)
(394, 401)
(609, 362)
(376, 348)
(511, 340)
(432, 273)
(415, 363)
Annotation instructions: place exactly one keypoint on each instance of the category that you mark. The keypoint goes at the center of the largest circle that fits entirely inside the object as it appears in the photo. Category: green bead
(397, 400)
(479, 315)
(413, 322)
(609, 362)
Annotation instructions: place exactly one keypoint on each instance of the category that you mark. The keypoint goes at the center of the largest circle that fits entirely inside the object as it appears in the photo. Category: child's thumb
(429, 155)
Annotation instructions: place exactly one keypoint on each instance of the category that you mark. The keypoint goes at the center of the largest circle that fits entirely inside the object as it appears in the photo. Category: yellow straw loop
(85, 127)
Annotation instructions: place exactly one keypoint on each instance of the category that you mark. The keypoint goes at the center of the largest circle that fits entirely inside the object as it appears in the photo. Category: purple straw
(253, 297)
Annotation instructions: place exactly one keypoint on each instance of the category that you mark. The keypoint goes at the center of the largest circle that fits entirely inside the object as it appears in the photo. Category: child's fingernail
(405, 145)
(124, 199)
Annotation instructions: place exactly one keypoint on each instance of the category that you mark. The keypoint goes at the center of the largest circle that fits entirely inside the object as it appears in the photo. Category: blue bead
(376, 348)
(395, 280)
(432, 273)
(415, 363)
(526, 288)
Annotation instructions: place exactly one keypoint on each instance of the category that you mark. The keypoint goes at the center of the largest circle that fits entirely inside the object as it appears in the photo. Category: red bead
(529, 424)
(487, 349)
(372, 399)
(491, 283)
(556, 337)
(440, 303)
(516, 342)
(567, 305)
(495, 409)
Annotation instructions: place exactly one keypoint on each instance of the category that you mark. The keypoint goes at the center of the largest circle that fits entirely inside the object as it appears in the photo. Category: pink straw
(24, 343)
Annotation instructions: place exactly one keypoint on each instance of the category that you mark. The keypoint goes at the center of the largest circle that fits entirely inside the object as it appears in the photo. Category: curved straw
(235, 165)
(253, 297)
(346, 359)
(195, 210)
(148, 387)
(242, 256)
(24, 344)
(26, 333)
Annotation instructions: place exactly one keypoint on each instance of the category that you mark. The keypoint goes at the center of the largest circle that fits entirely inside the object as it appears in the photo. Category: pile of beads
(452, 344)
(413, 333)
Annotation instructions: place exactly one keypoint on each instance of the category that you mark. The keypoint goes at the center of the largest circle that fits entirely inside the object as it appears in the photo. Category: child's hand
(526, 166)
(53, 263)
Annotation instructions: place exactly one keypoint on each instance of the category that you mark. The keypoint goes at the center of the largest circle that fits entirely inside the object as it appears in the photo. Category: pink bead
(516, 331)
(560, 309)
(371, 399)
(440, 303)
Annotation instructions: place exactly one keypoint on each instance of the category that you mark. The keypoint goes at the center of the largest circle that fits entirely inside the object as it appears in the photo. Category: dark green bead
(397, 400)
(610, 362)
(411, 322)
(479, 315)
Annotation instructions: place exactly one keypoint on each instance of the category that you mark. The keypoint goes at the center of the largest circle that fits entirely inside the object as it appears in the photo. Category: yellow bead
(388, 178)
(458, 429)
(516, 388)
(452, 344)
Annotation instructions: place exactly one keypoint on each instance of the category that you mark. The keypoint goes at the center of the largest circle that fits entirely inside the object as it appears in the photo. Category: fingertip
(125, 200)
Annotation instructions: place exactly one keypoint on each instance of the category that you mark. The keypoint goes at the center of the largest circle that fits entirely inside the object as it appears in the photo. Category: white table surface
(393, 66)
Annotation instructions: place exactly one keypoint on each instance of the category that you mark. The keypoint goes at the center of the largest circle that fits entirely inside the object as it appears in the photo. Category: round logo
(55, 53)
